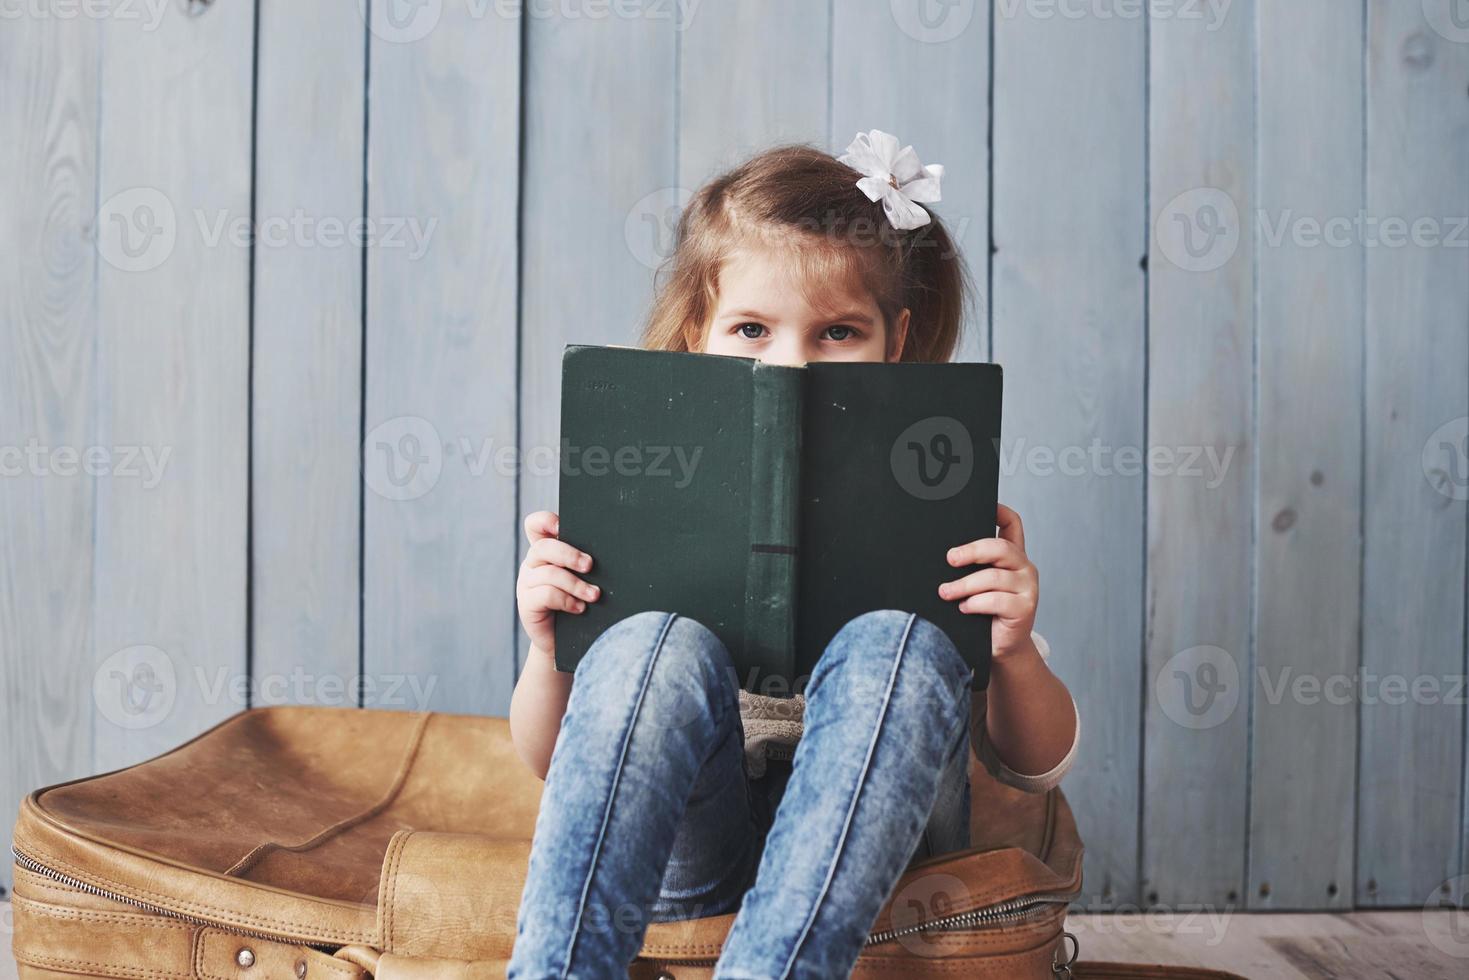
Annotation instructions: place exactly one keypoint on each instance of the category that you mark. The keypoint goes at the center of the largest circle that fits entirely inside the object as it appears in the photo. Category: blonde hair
(807, 202)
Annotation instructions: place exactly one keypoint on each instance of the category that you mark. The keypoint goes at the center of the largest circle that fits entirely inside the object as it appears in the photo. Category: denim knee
(673, 664)
(865, 651)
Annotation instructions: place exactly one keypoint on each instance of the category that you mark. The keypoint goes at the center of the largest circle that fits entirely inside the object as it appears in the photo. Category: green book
(773, 504)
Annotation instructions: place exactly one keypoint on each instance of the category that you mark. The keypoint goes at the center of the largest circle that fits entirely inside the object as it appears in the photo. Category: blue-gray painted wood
(1417, 397)
(1308, 545)
(440, 527)
(751, 74)
(48, 343)
(1200, 396)
(600, 204)
(494, 247)
(173, 364)
(947, 47)
(306, 405)
(1069, 297)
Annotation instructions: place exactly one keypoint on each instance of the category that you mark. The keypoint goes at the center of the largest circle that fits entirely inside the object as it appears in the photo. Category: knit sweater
(773, 728)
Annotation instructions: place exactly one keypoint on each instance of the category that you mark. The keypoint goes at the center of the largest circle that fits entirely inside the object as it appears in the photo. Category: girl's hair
(806, 201)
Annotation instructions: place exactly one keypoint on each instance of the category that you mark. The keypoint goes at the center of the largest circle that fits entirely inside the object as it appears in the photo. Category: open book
(773, 504)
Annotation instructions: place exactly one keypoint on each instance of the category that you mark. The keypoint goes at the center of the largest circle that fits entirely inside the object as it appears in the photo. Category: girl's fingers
(560, 578)
(1006, 605)
(553, 599)
(1010, 526)
(541, 524)
(984, 580)
(989, 551)
(550, 551)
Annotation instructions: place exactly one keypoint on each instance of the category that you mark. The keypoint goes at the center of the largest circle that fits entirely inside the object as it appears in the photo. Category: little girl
(662, 798)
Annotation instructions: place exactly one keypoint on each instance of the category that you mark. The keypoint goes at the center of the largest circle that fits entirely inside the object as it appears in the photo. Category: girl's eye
(751, 331)
(840, 332)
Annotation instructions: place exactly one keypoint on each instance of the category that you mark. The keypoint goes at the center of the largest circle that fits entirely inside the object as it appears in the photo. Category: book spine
(770, 577)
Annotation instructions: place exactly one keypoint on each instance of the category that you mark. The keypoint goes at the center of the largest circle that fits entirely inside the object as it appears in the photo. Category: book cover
(773, 504)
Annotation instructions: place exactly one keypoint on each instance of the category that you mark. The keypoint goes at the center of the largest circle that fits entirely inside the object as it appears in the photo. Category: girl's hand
(1008, 590)
(546, 584)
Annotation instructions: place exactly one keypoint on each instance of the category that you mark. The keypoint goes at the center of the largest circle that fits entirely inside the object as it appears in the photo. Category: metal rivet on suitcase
(245, 957)
(300, 970)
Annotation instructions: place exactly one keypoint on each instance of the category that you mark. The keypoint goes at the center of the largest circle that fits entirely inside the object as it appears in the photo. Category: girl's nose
(785, 353)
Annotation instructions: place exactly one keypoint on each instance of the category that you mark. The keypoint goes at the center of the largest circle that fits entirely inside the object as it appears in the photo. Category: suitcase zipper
(35, 867)
(1015, 908)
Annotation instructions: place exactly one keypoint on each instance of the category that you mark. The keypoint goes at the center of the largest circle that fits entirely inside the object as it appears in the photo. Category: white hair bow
(894, 177)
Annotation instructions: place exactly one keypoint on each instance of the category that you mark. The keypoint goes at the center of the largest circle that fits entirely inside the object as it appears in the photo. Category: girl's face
(766, 311)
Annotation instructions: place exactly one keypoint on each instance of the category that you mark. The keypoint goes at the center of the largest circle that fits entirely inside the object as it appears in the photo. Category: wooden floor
(1390, 945)
(1394, 945)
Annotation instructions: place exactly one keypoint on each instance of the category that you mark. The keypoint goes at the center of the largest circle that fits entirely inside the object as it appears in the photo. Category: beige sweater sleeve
(985, 751)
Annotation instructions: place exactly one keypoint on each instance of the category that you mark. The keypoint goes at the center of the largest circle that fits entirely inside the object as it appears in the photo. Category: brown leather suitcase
(336, 843)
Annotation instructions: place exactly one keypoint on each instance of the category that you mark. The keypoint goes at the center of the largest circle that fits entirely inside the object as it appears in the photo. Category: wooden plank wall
(1307, 547)
(1417, 398)
(441, 352)
(1201, 183)
(1236, 422)
(173, 367)
(306, 407)
(49, 110)
(1069, 273)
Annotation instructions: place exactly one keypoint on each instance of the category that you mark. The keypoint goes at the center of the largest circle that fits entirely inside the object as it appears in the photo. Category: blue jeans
(648, 814)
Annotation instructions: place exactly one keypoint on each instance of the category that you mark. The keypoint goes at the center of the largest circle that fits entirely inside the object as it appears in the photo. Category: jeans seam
(852, 805)
(637, 707)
